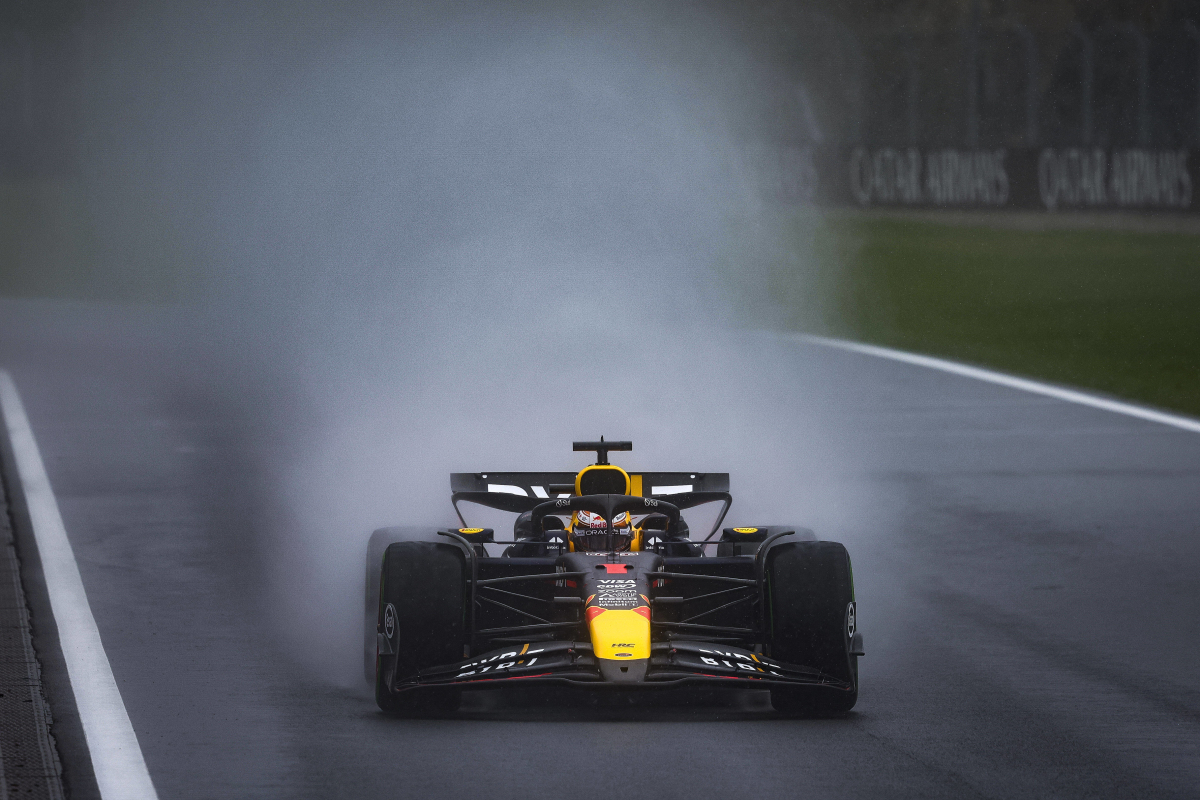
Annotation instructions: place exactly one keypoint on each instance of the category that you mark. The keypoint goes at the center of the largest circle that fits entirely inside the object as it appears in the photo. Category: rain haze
(455, 241)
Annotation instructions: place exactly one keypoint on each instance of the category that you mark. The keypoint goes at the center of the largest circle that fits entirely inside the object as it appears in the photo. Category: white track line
(116, 757)
(1023, 384)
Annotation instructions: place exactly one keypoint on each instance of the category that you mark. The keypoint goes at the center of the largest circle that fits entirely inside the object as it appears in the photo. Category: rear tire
(810, 595)
(422, 612)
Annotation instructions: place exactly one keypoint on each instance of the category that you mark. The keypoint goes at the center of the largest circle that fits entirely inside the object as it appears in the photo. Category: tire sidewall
(424, 585)
(810, 596)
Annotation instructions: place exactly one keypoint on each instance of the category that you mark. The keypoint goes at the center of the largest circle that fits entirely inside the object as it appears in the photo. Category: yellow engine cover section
(620, 634)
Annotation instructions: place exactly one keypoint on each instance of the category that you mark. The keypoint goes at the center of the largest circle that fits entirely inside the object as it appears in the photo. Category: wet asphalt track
(1030, 605)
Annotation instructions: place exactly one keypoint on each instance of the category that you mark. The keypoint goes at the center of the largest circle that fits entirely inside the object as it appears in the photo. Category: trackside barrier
(1043, 178)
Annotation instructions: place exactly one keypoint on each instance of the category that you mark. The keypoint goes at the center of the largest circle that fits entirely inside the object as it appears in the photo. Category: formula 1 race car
(602, 588)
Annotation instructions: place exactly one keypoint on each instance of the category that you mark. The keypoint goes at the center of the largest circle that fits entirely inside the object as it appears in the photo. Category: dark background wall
(956, 73)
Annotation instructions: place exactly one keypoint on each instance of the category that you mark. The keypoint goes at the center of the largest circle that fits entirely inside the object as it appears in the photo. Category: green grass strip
(1115, 311)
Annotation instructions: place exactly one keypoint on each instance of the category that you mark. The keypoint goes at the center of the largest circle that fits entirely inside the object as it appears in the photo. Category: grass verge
(1112, 310)
(1116, 311)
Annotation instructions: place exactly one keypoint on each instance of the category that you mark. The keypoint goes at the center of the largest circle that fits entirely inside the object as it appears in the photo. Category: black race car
(603, 588)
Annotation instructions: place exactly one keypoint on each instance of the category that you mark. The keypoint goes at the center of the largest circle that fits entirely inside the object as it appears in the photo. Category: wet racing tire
(810, 620)
(422, 612)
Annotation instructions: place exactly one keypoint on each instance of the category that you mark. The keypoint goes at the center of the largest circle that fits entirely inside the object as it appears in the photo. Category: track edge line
(1076, 396)
(118, 764)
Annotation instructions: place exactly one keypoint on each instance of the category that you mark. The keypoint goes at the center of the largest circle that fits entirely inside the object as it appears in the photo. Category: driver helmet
(591, 534)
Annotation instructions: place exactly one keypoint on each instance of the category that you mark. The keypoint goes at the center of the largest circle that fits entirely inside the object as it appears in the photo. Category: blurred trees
(1021, 72)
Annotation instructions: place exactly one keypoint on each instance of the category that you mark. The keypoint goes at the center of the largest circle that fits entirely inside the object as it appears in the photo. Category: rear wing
(543, 484)
(521, 491)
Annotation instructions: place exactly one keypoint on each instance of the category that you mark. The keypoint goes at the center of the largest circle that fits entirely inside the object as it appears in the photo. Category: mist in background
(456, 239)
